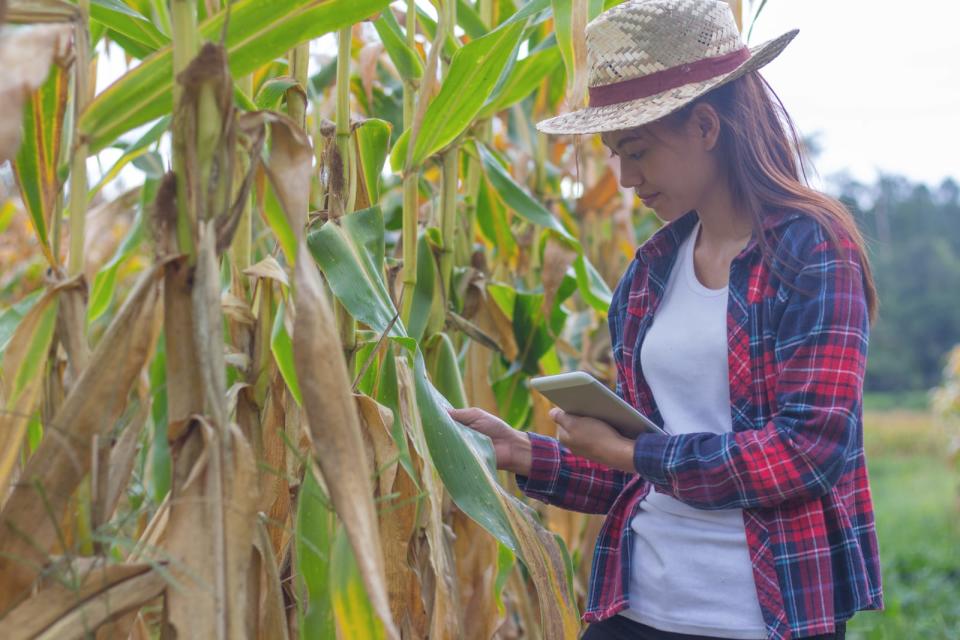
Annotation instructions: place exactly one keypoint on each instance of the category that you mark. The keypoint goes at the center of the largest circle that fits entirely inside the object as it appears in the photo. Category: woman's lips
(649, 199)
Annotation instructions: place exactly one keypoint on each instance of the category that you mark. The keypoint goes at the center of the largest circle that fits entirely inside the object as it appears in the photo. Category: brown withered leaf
(19, 404)
(398, 526)
(271, 617)
(602, 194)
(268, 268)
(106, 591)
(184, 384)
(557, 258)
(289, 167)
(71, 327)
(377, 421)
(30, 517)
(476, 552)
(210, 535)
(331, 414)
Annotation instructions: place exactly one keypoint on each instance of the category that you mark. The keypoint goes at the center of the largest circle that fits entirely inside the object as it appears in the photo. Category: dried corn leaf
(335, 428)
(62, 613)
(271, 617)
(270, 269)
(29, 522)
(377, 421)
(476, 552)
(557, 258)
(22, 378)
(210, 534)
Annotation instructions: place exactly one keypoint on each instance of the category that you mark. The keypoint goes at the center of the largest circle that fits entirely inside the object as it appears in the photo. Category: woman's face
(671, 168)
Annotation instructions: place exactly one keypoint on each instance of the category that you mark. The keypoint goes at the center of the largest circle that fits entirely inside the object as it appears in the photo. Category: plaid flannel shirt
(794, 461)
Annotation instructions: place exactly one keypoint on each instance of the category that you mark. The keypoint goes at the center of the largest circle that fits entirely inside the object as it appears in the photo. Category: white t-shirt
(690, 568)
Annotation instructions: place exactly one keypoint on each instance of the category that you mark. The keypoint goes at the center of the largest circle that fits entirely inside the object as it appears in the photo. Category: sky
(878, 81)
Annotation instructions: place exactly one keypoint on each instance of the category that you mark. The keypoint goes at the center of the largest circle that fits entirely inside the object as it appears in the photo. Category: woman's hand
(594, 439)
(512, 447)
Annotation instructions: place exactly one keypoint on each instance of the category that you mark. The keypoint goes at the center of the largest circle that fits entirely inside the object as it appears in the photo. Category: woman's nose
(628, 177)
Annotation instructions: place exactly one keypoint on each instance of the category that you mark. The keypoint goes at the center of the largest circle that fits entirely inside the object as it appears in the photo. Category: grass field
(916, 491)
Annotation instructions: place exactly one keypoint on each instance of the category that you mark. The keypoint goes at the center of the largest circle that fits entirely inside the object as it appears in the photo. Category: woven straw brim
(626, 115)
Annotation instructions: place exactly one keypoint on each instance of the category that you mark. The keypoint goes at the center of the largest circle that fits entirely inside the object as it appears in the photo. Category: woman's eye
(636, 155)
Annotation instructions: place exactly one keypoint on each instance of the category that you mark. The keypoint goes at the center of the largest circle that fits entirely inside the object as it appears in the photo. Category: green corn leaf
(282, 347)
(257, 33)
(35, 166)
(388, 394)
(132, 152)
(563, 21)
(23, 367)
(463, 457)
(427, 306)
(11, 317)
(472, 77)
(277, 220)
(591, 285)
(272, 91)
(352, 255)
(38, 345)
(314, 539)
(352, 611)
(445, 369)
(373, 140)
(128, 28)
(524, 78)
(563, 27)
(105, 282)
(161, 462)
(405, 59)
(470, 20)
(517, 198)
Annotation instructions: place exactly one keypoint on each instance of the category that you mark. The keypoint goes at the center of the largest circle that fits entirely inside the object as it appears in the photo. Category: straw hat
(648, 58)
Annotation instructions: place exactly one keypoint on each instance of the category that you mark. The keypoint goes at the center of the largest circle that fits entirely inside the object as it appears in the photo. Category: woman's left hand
(594, 439)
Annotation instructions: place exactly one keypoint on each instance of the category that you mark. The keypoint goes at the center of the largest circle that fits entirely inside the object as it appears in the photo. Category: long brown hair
(767, 165)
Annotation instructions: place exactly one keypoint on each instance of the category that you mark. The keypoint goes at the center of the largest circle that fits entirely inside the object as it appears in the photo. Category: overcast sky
(878, 80)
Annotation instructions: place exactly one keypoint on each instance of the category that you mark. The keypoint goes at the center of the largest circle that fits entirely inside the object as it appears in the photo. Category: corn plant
(225, 387)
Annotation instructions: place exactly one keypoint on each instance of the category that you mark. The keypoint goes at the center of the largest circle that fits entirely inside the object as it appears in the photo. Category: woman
(741, 328)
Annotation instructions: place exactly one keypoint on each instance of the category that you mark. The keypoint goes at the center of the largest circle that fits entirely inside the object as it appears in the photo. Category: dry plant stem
(345, 322)
(185, 47)
(78, 169)
(240, 249)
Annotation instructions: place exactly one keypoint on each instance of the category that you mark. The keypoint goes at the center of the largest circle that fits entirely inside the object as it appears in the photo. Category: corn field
(224, 388)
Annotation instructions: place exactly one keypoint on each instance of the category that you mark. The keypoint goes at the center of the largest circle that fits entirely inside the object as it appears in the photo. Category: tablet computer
(581, 394)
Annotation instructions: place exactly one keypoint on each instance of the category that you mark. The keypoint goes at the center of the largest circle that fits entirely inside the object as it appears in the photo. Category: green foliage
(918, 527)
(314, 539)
(257, 32)
(913, 235)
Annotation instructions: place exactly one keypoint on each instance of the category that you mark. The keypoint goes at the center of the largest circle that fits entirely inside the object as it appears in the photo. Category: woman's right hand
(511, 446)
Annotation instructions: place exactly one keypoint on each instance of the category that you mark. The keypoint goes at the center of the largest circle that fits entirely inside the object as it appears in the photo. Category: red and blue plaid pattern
(797, 332)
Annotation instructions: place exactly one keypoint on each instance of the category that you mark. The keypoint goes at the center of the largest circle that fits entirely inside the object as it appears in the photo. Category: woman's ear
(706, 125)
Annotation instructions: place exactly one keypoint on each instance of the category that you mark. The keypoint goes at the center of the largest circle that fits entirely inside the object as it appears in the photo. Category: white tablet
(581, 394)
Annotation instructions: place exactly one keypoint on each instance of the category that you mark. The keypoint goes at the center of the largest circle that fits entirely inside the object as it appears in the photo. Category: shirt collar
(666, 240)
